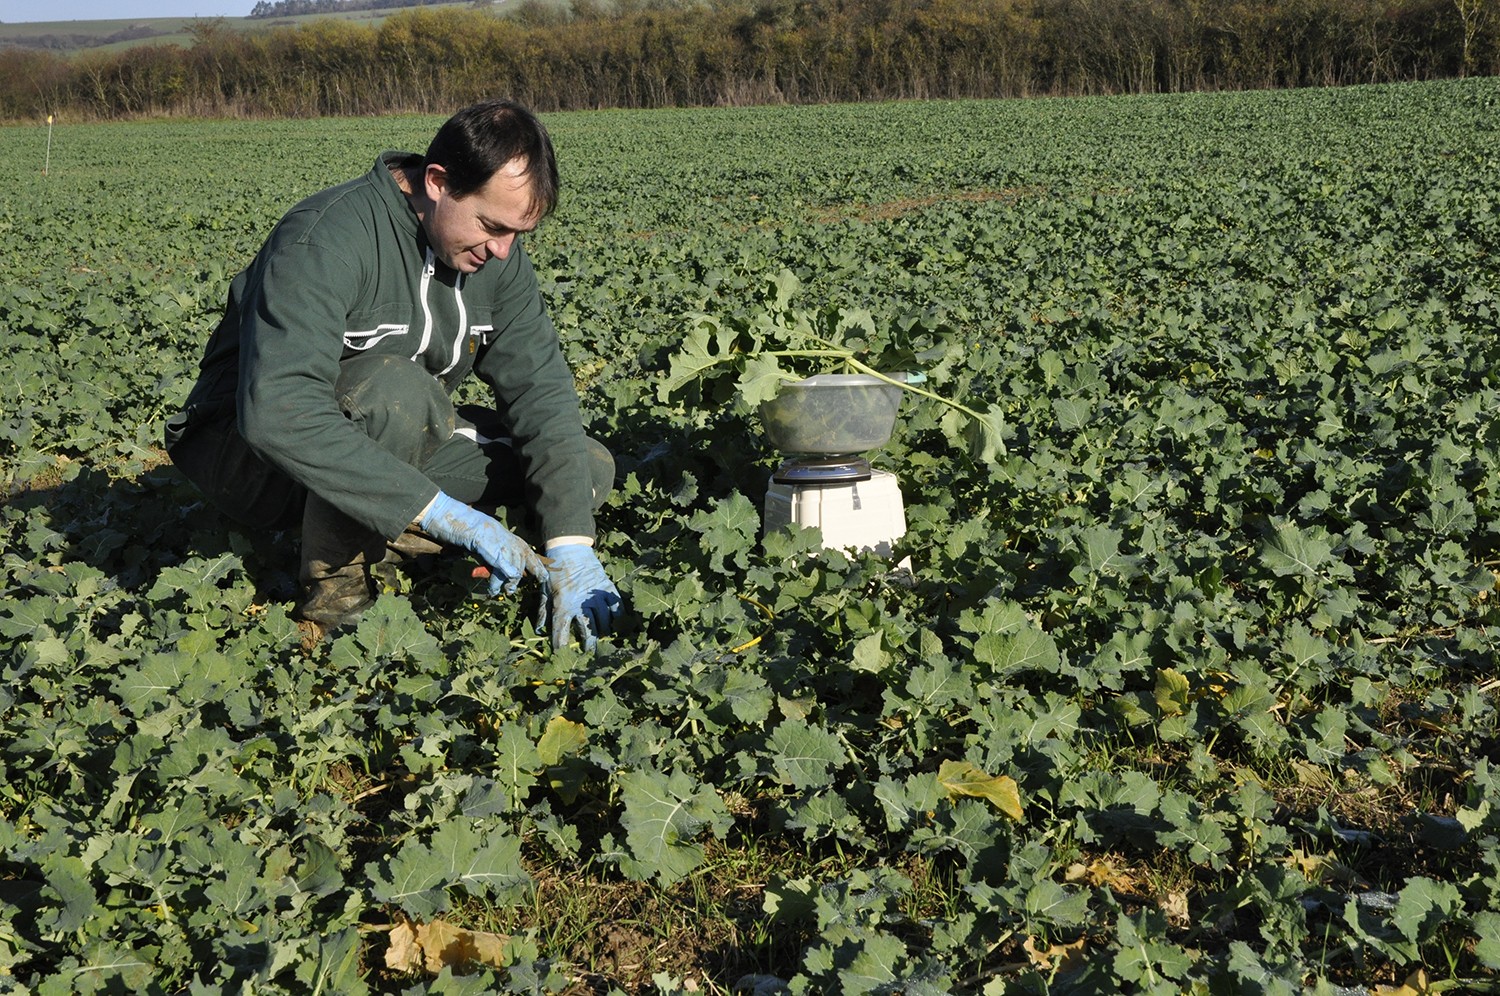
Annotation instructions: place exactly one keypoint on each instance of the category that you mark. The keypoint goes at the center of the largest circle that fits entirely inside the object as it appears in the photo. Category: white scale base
(865, 515)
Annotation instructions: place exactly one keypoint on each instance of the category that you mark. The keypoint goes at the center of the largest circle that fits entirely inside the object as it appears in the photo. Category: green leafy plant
(752, 356)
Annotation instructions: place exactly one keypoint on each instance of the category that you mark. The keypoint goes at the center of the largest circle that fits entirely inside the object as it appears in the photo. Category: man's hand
(508, 557)
(584, 600)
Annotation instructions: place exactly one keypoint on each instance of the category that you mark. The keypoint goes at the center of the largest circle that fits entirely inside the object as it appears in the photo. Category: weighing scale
(824, 424)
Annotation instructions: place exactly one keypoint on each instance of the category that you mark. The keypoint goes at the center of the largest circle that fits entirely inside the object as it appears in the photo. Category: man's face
(465, 232)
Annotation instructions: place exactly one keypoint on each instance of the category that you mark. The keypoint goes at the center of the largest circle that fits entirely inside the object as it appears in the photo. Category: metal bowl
(832, 414)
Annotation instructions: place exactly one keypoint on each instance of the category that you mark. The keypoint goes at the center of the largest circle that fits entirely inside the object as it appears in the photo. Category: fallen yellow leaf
(960, 778)
(1172, 692)
(561, 738)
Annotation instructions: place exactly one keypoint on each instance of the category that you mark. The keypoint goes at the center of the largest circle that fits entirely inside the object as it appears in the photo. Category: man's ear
(435, 180)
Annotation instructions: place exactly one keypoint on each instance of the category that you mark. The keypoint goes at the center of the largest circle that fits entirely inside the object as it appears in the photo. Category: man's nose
(500, 248)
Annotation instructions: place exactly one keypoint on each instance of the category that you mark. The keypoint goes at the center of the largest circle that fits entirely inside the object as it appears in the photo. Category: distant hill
(68, 38)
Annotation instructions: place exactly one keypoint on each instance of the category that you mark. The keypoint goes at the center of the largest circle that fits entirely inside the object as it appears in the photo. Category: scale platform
(823, 471)
(853, 504)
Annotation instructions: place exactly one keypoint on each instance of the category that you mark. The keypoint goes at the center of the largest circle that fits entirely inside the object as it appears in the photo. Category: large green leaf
(662, 818)
(805, 756)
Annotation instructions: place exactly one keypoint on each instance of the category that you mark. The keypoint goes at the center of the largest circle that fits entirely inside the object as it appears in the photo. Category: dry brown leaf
(1174, 906)
(1063, 956)
(439, 944)
(1100, 873)
(1311, 776)
(1416, 984)
(402, 953)
(1322, 868)
(1094, 873)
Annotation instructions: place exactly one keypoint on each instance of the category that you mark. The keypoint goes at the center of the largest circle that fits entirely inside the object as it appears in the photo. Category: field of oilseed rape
(1182, 677)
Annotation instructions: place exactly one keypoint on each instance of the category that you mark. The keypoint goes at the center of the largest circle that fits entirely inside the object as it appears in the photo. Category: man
(324, 393)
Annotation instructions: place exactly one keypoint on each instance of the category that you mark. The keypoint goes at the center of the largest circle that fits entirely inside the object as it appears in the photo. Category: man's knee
(397, 403)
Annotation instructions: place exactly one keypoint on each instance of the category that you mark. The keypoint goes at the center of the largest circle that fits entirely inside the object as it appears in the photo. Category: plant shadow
(130, 529)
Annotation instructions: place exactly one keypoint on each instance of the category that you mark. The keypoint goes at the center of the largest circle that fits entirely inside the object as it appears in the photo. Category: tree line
(647, 53)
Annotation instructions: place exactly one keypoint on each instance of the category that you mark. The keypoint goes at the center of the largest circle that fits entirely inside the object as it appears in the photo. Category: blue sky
(13, 11)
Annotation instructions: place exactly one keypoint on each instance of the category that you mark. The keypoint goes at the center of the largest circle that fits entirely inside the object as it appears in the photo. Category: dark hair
(483, 137)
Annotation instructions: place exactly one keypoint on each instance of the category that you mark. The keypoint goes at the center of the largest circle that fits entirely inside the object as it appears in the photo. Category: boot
(339, 560)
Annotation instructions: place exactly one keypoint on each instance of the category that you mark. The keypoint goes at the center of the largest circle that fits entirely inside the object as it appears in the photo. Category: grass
(712, 927)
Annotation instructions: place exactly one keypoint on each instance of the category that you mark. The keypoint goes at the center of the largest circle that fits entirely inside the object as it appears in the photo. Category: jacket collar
(391, 194)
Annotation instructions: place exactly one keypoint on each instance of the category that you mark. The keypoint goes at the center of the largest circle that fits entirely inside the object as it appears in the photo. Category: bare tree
(1474, 16)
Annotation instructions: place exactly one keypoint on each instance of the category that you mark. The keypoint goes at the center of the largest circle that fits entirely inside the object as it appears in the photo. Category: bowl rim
(845, 380)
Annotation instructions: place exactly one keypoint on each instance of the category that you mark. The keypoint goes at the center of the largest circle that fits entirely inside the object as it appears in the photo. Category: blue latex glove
(508, 557)
(584, 600)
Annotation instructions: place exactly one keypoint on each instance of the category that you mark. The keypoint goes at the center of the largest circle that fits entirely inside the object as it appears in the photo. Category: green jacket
(347, 273)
